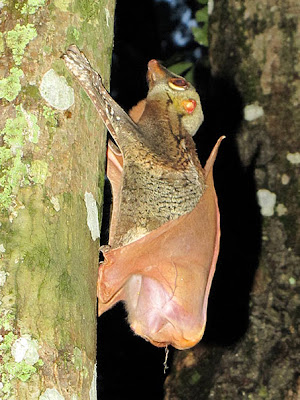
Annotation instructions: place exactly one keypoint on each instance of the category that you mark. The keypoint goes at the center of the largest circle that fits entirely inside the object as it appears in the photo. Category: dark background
(128, 366)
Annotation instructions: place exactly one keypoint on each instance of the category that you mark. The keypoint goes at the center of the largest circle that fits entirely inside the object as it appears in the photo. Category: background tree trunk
(254, 54)
(52, 151)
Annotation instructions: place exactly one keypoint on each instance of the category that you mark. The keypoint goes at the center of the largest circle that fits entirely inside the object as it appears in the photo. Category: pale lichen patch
(25, 349)
(56, 91)
(32, 130)
(293, 158)
(281, 209)
(51, 394)
(107, 16)
(93, 389)
(210, 6)
(266, 201)
(292, 281)
(55, 202)
(92, 215)
(253, 112)
(3, 276)
(285, 179)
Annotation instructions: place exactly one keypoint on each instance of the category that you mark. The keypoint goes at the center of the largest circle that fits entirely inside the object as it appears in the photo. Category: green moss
(263, 392)
(50, 116)
(7, 341)
(5, 347)
(67, 199)
(77, 360)
(11, 86)
(47, 49)
(21, 370)
(32, 6)
(15, 171)
(39, 171)
(74, 36)
(6, 322)
(62, 4)
(251, 76)
(37, 256)
(13, 130)
(18, 38)
(65, 286)
(21, 129)
(60, 68)
(88, 9)
(10, 369)
(31, 91)
(1, 43)
(194, 379)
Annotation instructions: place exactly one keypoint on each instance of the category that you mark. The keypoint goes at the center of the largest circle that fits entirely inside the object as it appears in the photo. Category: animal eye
(189, 105)
(178, 83)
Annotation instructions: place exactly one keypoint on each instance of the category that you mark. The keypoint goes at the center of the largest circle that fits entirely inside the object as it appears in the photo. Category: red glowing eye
(178, 83)
(189, 105)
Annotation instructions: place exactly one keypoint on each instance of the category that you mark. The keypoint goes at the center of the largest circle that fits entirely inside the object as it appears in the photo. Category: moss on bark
(51, 153)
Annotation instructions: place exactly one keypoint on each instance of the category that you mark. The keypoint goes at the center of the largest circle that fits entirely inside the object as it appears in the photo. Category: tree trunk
(52, 151)
(254, 54)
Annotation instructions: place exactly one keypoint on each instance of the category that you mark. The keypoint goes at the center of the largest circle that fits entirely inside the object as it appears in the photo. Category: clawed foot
(105, 248)
(80, 67)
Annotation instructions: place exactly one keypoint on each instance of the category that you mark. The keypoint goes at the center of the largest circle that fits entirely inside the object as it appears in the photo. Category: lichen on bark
(50, 157)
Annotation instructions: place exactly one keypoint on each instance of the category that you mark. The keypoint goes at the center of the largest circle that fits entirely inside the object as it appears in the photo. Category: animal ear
(212, 158)
(114, 171)
(137, 111)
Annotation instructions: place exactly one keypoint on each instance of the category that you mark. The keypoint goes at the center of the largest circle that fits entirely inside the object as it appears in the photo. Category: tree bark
(254, 54)
(52, 152)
